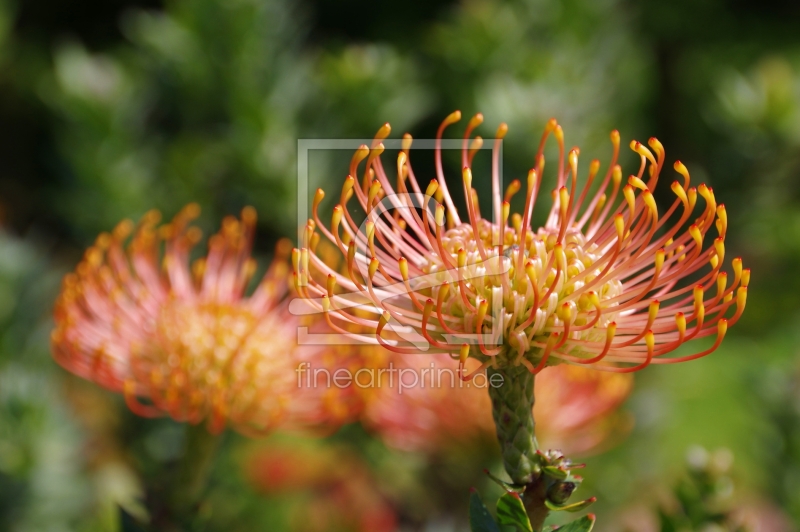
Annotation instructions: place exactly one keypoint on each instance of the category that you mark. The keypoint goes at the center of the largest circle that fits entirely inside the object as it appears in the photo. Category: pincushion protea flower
(601, 283)
(186, 340)
(577, 411)
(608, 281)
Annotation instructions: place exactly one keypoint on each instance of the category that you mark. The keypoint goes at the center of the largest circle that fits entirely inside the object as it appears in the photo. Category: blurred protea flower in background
(577, 411)
(341, 486)
(608, 281)
(185, 339)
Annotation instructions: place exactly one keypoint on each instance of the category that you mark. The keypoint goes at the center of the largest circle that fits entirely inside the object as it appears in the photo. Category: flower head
(607, 281)
(187, 339)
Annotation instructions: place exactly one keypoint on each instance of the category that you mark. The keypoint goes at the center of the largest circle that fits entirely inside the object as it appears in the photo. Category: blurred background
(110, 108)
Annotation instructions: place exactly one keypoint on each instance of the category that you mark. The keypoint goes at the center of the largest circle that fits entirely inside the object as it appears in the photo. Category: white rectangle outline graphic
(304, 146)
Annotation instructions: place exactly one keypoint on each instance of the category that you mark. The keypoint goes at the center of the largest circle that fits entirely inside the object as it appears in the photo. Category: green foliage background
(110, 109)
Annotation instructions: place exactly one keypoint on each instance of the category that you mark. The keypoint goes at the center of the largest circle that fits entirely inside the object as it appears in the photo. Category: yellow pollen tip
(680, 323)
(296, 260)
(561, 258)
(640, 148)
(374, 188)
(466, 173)
(656, 145)
(440, 214)
(373, 267)
(722, 282)
(741, 297)
(512, 189)
(660, 255)
(636, 182)
(746, 277)
(627, 191)
(401, 159)
(565, 312)
(681, 169)
(426, 313)
(616, 174)
(360, 154)
(403, 266)
(694, 231)
(370, 228)
(614, 137)
(736, 264)
(464, 354)
(483, 308)
(551, 125)
(722, 327)
(563, 196)
(559, 133)
(475, 121)
(318, 197)
(476, 144)
(531, 179)
(432, 187)
(650, 201)
(326, 304)
(678, 190)
(502, 129)
(249, 215)
(594, 167)
(191, 211)
(531, 272)
(506, 212)
(331, 284)
(336, 218)
(650, 340)
(406, 142)
(348, 184)
(619, 225)
(383, 132)
(611, 330)
(653, 310)
(462, 258)
(698, 297)
(452, 118)
(719, 247)
(573, 160)
(692, 194)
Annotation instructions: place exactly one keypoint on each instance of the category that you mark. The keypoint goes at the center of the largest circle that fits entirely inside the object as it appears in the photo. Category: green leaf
(519, 488)
(574, 507)
(584, 524)
(480, 520)
(556, 472)
(511, 511)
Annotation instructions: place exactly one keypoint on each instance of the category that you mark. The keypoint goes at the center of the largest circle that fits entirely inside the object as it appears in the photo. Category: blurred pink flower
(186, 340)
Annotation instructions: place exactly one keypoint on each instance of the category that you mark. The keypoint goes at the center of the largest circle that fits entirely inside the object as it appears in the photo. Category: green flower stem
(190, 482)
(512, 409)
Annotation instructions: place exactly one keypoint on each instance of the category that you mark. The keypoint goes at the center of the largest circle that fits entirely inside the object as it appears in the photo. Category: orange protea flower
(608, 281)
(577, 412)
(188, 339)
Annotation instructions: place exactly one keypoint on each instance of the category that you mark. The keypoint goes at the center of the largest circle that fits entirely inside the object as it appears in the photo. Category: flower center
(528, 291)
(216, 358)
